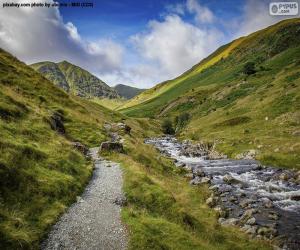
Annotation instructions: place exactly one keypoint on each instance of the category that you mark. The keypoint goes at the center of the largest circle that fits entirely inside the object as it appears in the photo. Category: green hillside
(40, 171)
(240, 110)
(74, 79)
(127, 92)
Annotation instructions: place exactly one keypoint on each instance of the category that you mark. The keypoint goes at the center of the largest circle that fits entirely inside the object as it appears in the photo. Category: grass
(240, 112)
(164, 211)
(40, 172)
(112, 104)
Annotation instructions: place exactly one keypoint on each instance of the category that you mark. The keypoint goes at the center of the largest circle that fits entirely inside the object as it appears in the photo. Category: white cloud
(36, 34)
(202, 13)
(256, 16)
(174, 45)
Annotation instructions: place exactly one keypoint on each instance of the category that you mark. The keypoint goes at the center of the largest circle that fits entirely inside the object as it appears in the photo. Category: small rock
(205, 180)
(267, 231)
(295, 197)
(211, 201)
(230, 180)
(230, 222)
(273, 216)
(283, 177)
(251, 221)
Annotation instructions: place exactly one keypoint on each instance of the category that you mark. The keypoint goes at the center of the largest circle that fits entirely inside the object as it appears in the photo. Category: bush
(167, 127)
(249, 68)
(181, 120)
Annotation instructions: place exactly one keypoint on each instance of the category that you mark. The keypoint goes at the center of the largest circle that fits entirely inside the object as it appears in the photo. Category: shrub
(167, 127)
(249, 68)
(181, 120)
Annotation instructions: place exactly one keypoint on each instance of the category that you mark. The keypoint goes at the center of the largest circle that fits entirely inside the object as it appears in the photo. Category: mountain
(74, 79)
(127, 92)
(246, 93)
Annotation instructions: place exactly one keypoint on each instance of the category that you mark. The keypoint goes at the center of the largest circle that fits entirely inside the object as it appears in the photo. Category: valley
(208, 160)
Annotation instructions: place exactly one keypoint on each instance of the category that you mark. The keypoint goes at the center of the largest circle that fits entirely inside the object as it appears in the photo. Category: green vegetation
(40, 172)
(239, 110)
(249, 68)
(74, 79)
(167, 127)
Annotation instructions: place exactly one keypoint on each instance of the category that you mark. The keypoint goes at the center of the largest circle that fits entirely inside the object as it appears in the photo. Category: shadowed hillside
(74, 79)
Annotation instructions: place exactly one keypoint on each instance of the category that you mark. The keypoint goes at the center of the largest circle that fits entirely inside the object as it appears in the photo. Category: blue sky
(139, 43)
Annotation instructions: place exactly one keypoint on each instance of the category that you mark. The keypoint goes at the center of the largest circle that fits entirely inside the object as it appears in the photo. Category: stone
(80, 147)
(221, 212)
(247, 215)
(267, 203)
(251, 230)
(251, 221)
(56, 123)
(267, 231)
(111, 146)
(205, 180)
(232, 198)
(283, 177)
(189, 176)
(295, 197)
(230, 180)
(198, 172)
(273, 216)
(230, 222)
(211, 201)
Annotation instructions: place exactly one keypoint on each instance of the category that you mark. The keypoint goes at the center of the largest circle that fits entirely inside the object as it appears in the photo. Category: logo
(283, 8)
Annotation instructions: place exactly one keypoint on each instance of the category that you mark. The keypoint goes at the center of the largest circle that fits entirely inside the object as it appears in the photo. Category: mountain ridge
(127, 91)
(74, 79)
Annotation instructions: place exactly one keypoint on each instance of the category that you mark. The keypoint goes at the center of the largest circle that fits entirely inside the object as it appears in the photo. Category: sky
(133, 42)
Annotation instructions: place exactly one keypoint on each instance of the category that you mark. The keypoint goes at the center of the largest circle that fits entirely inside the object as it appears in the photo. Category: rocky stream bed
(263, 201)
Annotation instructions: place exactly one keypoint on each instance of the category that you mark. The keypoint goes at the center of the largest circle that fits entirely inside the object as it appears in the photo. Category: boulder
(80, 147)
(251, 221)
(111, 146)
(205, 180)
(56, 123)
(230, 180)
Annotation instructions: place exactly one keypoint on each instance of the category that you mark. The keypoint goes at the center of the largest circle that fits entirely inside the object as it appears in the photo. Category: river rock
(205, 180)
(251, 221)
(221, 212)
(211, 201)
(198, 172)
(295, 197)
(273, 216)
(267, 231)
(230, 180)
(229, 222)
(283, 177)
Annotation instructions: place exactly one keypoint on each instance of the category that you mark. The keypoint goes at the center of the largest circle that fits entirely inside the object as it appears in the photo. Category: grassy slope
(164, 211)
(112, 104)
(40, 172)
(220, 97)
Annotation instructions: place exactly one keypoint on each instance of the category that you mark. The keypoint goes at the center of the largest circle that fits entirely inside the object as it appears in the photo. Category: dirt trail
(93, 222)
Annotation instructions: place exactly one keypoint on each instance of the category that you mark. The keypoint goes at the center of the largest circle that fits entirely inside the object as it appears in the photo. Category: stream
(263, 201)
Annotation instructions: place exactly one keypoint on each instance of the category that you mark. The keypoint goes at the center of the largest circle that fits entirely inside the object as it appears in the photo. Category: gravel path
(93, 222)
